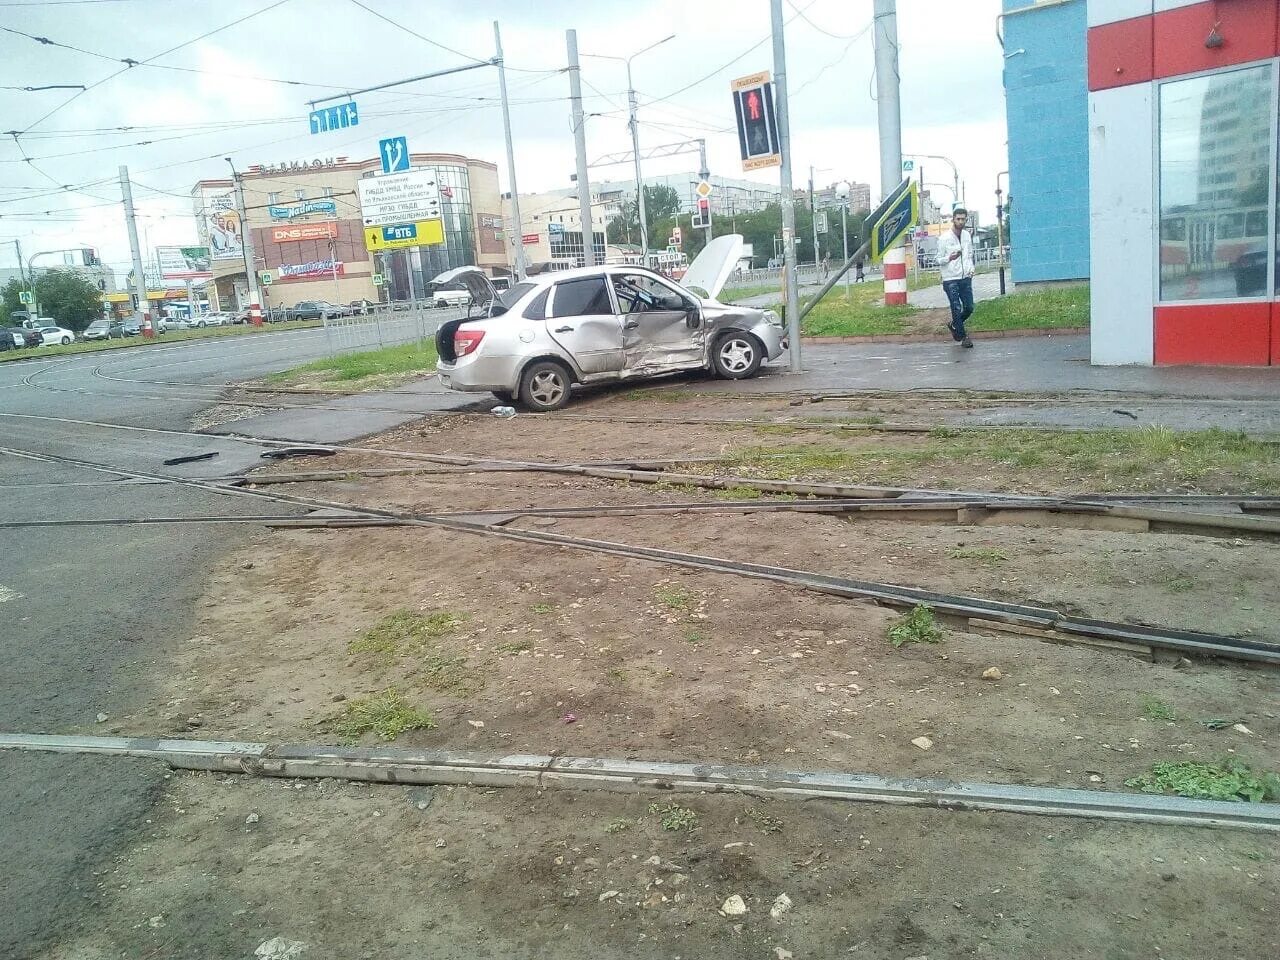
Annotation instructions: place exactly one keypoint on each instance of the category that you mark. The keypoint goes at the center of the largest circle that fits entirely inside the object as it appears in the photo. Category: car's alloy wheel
(737, 356)
(65, 341)
(545, 386)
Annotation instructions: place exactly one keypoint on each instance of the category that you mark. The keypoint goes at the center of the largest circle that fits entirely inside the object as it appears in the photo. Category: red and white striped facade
(1134, 46)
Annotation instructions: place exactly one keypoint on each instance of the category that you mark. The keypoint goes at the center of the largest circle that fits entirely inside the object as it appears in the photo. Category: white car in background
(213, 320)
(56, 335)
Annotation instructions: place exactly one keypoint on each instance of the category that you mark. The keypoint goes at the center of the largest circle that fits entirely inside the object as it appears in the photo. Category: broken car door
(581, 319)
(662, 329)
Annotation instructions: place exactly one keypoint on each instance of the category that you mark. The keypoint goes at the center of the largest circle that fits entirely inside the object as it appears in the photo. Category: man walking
(956, 265)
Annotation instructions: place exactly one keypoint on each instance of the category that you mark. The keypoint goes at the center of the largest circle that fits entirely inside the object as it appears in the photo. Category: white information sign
(399, 198)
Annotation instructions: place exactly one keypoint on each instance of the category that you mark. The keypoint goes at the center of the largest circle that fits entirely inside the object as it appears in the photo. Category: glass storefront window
(1216, 219)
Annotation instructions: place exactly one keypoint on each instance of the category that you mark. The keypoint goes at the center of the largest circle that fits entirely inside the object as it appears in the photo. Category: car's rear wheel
(737, 356)
(65, 341)
(544, 386)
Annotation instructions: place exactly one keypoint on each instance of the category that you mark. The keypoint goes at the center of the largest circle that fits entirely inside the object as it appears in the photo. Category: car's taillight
(466, 341)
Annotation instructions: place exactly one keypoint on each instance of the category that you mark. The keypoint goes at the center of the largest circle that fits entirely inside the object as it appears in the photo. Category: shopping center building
(1179, 131)
(308, 235)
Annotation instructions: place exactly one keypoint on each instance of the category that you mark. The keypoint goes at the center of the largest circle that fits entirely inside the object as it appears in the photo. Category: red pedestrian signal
(757, 125)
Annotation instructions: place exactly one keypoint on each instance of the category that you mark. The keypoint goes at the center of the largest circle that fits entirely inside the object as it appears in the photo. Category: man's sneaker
(966, 342)
(952, 327)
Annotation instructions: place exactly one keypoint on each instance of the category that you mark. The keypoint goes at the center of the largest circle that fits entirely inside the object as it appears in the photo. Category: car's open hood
(710, 269)
(474, 279)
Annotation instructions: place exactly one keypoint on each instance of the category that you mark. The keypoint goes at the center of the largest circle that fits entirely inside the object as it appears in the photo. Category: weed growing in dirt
(618, 825)
(764, 822)
(918, 626)
(739, 492)
(984, 555)
(674, 817)
(1179, 584)
(668, 487)
(384, 714)
(695, 636)
(542, 608)
(616, 675)
(405, 631)
(1153, 708)
(450, 675)
(1228, 780)
(677, 598)
(516, 646)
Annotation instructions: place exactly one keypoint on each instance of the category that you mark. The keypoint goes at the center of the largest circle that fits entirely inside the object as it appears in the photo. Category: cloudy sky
(211, 89)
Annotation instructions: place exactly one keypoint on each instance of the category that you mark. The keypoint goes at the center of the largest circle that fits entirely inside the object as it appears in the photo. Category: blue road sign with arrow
(893, 218)
(335, 118)
(395, 154)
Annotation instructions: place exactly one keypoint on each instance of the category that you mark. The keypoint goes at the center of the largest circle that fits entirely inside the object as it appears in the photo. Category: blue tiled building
(1046, 97)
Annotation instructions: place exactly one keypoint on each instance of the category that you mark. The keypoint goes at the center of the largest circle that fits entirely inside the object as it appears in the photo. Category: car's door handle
(631, 325)
(563, 330)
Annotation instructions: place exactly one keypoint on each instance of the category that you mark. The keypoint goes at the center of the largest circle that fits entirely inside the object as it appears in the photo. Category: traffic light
(702, 215)
(90, 256)
(757, 127)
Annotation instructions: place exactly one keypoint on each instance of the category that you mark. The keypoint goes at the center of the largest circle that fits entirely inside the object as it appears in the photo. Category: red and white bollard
(895, 276)
(147, 329)
(255, 313)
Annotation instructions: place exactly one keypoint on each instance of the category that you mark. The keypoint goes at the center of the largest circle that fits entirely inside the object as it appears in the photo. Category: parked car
(177, 323)
(25, 337)
(554, 331)
(315, 310)
(215, 320)
(361, 307)
(452, 293)
(132, 326)
(103, 329)
(52, 335)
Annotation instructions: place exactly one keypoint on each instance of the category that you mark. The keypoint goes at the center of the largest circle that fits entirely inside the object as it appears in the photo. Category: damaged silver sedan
(550, 333)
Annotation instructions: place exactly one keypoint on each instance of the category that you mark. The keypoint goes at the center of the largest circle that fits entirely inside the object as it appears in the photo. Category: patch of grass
(616, 675)
(1227, 780)
(668, 487)
(385, 715)
(516, 646)
(139, 342)
(764, 822)
(1153, 708)
(739, 492)
(918, 626)
(984, 555)
(677, 598)
(1034, 309)
(450, 675)
(674, 817)
(862, 316)
(695, 636)
(1179, 584)
(618, 825)
(405, 631)
(369, 369)
(542, 608)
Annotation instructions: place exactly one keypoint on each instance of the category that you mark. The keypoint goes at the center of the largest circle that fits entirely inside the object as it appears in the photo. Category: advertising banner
(303, 209)
(184, 263)
(316, 269)
(327, 230)
(219, 225)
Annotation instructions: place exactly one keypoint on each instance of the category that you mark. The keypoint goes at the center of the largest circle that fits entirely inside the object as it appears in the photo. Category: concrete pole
(844, 235)
(580, 144)
(139, 274)
(813, 216)
(517, 233)
(704, 173)
(889, 114)
(635, 153)
(789, 286)
(246, 244)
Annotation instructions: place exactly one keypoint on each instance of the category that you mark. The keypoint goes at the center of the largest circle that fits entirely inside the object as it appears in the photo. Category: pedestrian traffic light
(757, 125)
(702, 215)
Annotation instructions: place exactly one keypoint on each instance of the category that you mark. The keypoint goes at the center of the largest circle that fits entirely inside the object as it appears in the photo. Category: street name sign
(399, 198)
(335, 118)
(893, 218)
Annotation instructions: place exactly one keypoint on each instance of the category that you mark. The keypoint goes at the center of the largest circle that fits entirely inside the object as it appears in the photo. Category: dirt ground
(541, 649)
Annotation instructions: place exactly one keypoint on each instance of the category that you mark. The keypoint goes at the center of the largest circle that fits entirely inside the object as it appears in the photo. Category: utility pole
(635, 150)
(813, 215)
(517, 234)
(139, 275)
(704, 173)
(580, 143)
(889, 115)
(788, 197)
(246, 245)
(35, 312)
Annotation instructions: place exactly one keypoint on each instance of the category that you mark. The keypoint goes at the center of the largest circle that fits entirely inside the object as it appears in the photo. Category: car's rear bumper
(480, 374)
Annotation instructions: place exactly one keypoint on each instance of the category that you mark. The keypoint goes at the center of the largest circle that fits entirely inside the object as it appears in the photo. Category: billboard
(184, 263)
(219, 225)
(325, 230)
(310, 271)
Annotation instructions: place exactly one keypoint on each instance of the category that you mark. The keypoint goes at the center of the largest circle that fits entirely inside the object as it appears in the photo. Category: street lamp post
(635, 139)
(843, 189)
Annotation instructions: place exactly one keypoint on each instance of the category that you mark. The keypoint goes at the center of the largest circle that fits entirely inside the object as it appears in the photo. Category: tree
(64, 295)
(661, 206)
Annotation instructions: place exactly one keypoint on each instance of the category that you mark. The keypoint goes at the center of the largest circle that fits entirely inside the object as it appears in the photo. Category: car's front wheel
(737, 356)
(65, 341)
(544, 386)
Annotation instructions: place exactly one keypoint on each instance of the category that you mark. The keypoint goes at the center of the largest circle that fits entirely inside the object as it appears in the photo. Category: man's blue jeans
(960, 296)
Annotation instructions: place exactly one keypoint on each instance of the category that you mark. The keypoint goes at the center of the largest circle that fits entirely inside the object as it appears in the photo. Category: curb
(928, 337)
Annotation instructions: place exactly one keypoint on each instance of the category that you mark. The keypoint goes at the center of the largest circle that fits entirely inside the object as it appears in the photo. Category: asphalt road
(86, 612)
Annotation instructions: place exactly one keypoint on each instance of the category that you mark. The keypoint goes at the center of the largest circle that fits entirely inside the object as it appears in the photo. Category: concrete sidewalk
(986, 286)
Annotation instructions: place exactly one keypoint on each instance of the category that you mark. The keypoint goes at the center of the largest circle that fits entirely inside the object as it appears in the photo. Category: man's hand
(954, 255)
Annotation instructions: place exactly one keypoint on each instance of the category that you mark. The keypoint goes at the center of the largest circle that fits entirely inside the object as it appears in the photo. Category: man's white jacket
(963, 265)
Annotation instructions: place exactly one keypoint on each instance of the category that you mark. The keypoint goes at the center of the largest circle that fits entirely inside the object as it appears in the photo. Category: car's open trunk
(444, 339)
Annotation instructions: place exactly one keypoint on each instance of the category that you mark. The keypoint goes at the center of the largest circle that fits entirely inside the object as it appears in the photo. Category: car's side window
(581, 298)
(537, 308)
(638, 292)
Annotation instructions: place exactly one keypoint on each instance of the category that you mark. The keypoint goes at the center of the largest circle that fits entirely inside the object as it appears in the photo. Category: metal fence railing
(385, 326)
